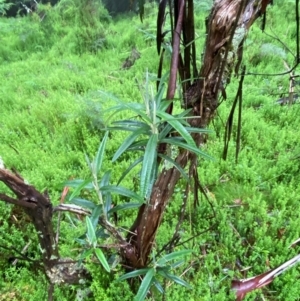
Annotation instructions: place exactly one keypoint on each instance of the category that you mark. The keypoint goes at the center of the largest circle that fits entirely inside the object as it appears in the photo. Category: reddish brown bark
(228, 25)
(245, 286)
(39, 208)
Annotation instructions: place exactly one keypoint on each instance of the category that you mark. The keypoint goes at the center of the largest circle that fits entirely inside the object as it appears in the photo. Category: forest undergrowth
(53, 72)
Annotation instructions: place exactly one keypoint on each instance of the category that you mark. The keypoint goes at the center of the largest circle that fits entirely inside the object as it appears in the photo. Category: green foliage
(153, 127)
(4, 6)
(107, 287)
(76, 25)
(203, 6)
(52, 113)
(92, 244)
(272, 50)
(160, 268)
(157, 125)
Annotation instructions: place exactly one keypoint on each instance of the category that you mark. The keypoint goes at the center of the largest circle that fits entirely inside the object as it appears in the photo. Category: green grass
(52, 113)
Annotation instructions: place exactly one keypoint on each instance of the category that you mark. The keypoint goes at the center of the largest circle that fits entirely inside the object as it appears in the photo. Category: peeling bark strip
(39, 208)
(228, 26)
(245, 286)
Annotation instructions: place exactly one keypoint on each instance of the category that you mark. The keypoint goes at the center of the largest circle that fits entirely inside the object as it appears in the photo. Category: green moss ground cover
(51, 75)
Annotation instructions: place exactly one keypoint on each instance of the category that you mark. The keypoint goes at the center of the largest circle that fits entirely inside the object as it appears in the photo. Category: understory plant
(149, 126)
(147, 167)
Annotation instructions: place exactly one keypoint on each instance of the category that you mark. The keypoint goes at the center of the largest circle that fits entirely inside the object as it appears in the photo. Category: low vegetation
(60, 72)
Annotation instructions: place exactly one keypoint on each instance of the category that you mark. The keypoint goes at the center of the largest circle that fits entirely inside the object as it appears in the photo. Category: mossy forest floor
(51, 113)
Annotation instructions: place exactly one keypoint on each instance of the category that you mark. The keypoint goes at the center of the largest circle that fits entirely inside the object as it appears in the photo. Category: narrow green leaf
(180, 143)
(77, 190)
(131, 166)
(107, 202)
(177, 264)
(88, 162)
(158, 286)
(101, 234)
(198, 130)
(85, 254)
(163, 105)
(185, 114)
(97, 163)
(154, 112)
(128, 142)
(95, 215)
(106, 195)
(165, 131)
(82, 242)
(182, 117)
(134, 274)
(177, 125)
(159, 97)
(84, 203)
(129, 126)
(177, 166)
(127, 123)
(174, 255)
(116, 128)
(102, 259)
(149, 166)
(145, 285)
(176, 279)
(139, 145)
(137, 109)
(105, 179)
(91, 234)
(122, 191)
(73, 183)
(126, 206)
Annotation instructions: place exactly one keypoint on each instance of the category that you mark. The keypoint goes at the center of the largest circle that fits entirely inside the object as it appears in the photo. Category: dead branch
(39, 208)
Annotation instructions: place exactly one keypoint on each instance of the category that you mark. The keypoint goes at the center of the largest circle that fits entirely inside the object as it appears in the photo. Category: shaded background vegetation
(51, 113)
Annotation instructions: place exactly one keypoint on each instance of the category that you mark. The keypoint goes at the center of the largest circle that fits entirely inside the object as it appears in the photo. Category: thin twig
(23, 252)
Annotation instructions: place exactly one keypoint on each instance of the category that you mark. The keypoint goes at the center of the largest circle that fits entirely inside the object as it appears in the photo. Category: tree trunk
(227, 27)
